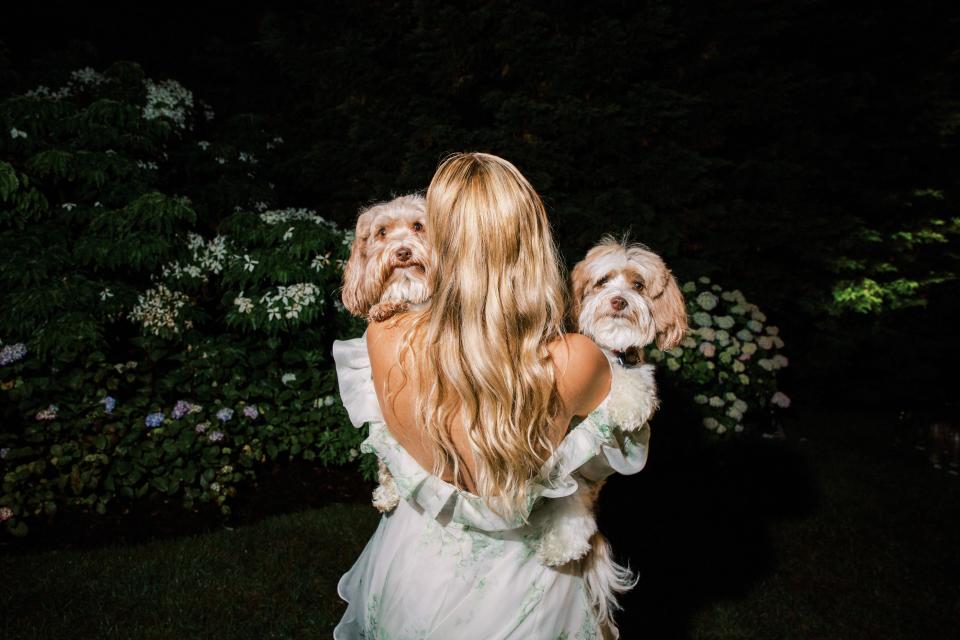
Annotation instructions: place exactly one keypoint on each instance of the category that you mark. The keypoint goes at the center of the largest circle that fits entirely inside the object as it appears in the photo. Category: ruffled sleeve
(355, 378)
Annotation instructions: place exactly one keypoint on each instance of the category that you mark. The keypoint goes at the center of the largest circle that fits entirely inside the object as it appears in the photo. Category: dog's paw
(560, 545)
(385, 498)
(386, 310)
(633, 397)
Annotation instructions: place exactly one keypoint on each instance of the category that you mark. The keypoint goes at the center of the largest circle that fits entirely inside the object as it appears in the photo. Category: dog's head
(625, 296)
(389, 256)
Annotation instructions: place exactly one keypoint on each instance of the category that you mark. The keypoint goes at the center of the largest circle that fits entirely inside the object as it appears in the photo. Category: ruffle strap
(355, 378)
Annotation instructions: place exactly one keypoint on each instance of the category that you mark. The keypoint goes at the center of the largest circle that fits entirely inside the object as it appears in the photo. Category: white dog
(624, 298)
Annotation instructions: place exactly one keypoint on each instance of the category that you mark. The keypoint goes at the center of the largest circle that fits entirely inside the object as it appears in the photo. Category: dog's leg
(386, 310)
(570, 524)
(385, 496)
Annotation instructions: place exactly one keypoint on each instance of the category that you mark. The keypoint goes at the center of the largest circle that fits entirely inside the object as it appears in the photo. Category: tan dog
(386, 271)
(385, 275)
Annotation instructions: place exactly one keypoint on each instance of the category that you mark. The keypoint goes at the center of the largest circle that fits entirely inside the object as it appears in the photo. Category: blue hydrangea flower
(108, 403)
(154, 419)
(225, 414)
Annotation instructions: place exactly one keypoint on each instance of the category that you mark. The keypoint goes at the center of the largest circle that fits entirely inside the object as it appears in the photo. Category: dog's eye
(382, 232)
(602, 281)
(417, 226)
(638, 285)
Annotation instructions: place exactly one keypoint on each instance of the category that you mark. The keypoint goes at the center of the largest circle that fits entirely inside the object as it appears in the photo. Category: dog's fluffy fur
(386, 271)
(624, 298)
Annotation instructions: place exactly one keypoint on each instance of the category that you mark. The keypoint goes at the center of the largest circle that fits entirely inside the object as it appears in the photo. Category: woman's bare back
(582, 379)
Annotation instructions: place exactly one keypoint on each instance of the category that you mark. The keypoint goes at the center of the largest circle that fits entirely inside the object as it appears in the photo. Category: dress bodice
(593, 448)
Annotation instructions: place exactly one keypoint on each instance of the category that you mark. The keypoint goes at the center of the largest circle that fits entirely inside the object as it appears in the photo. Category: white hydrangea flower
(780, 399)
(749, 348)
(765, 342)
(716, 401)
(168, 99)
(700, 398)
(780, 361)
(724, 322)
(689, 342)
(706, 300)
(738, 366)
(723, 338)
(777, 342)
(710, 423)
(707, 349)
(17, 133)
(740, 405)
(758, 315)
(158, 309)
(282, 216)
(689, 287)
(672, 364)
(765, 364)
(87, 76)
(244, 305)
(249, 264)
(721, 429)
(288, 378)
(702, 318)
(744, 379)
(773, 330)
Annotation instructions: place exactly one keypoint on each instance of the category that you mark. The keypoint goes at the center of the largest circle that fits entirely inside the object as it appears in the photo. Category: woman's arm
(583, 373)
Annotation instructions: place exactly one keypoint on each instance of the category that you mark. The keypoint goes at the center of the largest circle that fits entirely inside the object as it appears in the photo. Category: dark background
(752, 142)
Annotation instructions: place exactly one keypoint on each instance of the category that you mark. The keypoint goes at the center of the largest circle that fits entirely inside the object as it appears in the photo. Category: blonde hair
(499, 297)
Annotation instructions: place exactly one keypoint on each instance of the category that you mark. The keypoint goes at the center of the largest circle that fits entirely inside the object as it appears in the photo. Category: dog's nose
(403, 254)
(618, 303)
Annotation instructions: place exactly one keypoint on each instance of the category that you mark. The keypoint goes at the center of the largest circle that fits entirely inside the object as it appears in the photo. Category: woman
(480, 387)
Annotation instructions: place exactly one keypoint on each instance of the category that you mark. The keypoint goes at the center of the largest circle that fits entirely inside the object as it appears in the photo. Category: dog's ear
(579, 282)
(352, 292)
(667, 307)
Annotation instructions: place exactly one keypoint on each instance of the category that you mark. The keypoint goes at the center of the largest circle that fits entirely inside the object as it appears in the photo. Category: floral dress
(443, 565)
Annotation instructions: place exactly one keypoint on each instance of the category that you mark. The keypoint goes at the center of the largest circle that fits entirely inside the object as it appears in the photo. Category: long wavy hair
(499, 297)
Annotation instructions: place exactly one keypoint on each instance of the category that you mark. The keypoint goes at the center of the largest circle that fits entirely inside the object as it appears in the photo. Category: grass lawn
(839, 531)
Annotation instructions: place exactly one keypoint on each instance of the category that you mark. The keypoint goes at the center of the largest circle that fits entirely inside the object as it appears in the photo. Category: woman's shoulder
(383, 338)
(583, 372)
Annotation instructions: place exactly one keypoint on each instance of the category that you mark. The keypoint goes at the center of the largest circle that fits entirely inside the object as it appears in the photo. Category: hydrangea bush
(729, 358)
(166, 327)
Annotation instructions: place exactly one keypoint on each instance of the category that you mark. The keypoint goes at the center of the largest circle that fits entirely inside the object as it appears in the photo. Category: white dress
(442, 565)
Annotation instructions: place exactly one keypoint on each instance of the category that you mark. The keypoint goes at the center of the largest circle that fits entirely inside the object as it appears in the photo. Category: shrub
(169, 326)
(729, 358)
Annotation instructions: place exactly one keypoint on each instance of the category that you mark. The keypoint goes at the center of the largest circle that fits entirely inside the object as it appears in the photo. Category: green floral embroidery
(371, 628)
(530, 600)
